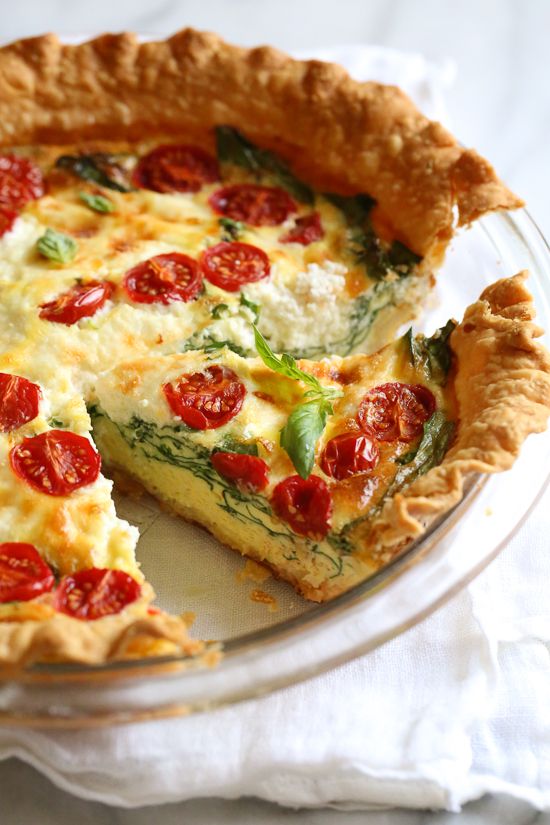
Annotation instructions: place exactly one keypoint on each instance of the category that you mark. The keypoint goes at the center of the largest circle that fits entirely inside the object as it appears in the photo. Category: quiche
(206, 254)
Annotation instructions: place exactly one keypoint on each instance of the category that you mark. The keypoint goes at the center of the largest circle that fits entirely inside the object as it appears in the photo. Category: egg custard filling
(213, 311)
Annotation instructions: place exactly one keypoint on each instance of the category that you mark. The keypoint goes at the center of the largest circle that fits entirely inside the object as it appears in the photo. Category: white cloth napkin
(456, 707)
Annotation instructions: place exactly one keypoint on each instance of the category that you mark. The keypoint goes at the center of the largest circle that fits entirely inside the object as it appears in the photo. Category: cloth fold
(453, 708)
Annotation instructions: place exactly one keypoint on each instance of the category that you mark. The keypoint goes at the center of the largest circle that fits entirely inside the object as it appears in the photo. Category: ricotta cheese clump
(315, 309)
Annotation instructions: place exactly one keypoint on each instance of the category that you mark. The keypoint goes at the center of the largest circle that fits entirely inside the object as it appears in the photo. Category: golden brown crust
(40, 634)
(337, 133)
(502, 386)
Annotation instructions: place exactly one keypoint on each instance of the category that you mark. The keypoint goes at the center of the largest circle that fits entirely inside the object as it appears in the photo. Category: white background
(500, 103)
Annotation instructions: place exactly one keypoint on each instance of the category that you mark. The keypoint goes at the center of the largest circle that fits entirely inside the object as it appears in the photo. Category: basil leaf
(254, 308)
(432, 355)
(103, 169)
(231, 445)
(233, 147)
(285, 365)
(97, 202)
(57, 247)
(438, 432)
(301, 433)
(231, 230)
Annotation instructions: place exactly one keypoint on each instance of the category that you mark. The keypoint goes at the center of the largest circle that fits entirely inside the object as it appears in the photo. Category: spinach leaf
(99, 167)
(432, 355)
(232, 445)
(97, 202)
(231, 230)
(433, 445)
(219, 311)
(233, 148)
(57, 246)
(254, 308)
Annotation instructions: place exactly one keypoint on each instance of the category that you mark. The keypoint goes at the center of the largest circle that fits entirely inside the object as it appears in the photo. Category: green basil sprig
(57, 247)
(307, 421)
(97, 202)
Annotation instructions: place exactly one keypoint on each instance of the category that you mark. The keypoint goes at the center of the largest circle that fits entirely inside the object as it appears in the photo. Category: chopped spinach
(433, 445)
(231, 445)
(233, 148)
(254, 308)
(231, 230)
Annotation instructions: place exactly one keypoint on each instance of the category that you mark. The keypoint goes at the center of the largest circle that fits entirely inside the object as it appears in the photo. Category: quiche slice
(323, 471)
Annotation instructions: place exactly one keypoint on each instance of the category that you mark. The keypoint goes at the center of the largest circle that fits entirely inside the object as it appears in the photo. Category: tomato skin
(80, 301)
(56, 462)
(175, 168)
(347, 454)
(19, 401)
(246, 471)
(21, 181)
(305, 504)
(94, 593)
(164, 279)
(24, 575)
(396, 411)
(306, 230)
(229, 265)
(7, 220)
(206, 400)
(253, 204)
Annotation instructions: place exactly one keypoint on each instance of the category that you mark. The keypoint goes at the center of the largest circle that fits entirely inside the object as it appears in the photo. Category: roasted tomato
(19, 401)
(253, 204)
(206, 400)
(164, 279)
(306, 230)
(23, 573)
(176, 169)
(231, 265)
(56, 462)
(348, 454)
(396, 412)
(305, 504)
(246, 471)
(80, 301)
(91, 594)
(21, 181)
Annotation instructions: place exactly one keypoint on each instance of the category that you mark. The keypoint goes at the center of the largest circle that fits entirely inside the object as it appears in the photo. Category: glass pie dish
(268, 635)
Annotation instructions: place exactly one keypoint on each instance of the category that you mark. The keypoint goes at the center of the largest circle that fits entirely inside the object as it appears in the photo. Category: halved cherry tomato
(7, 220)
(164, 279)
(230, 265)
(176, 169)
(396, 412)
(257, 205)
(23, 573)
(80, 301)
(306, 230)
(348, 454)
(91, 594)
(21, 181)
(306, 505)
(56, 462)
(206, 400)
(246, 471)
(19, 400)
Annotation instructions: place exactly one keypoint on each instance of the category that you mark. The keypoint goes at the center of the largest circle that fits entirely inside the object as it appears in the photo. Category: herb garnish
(57, 246)
(97, 202)
(232, 147)
(307, 421)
